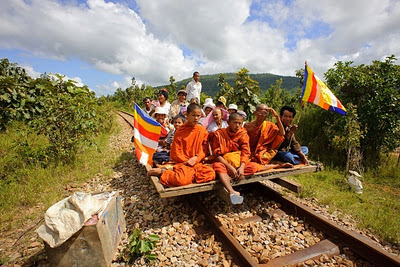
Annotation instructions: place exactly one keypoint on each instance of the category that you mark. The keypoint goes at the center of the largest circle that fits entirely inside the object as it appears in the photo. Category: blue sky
(103, 44)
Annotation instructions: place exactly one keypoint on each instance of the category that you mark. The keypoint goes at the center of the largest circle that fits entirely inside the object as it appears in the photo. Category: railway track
(273, 230)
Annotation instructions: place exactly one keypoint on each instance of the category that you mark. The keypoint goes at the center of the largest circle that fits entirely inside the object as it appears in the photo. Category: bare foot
(155, 172)
(235, 192)
(286, 165)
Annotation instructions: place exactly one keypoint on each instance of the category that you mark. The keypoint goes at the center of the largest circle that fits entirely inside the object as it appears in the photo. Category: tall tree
(246, 92)
(172, 89)
(225, 90)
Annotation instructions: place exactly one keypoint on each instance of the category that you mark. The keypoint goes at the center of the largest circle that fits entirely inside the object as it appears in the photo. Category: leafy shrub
(69, 119)
(138, 246)
(18, 94)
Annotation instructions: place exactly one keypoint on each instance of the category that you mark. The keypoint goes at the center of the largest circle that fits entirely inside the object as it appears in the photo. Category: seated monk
(231, 148)
(188, 149)
(265, 137)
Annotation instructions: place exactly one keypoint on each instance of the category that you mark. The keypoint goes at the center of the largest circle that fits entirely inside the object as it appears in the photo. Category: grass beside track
(28, 189)
(376, 209)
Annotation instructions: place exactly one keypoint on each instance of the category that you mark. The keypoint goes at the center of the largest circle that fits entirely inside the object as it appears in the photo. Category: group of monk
(236, 151)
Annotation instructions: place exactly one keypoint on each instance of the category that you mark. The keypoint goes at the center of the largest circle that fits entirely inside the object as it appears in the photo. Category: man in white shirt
(193, 88)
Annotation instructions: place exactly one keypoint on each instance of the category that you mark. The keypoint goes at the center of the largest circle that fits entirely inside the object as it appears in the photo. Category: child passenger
(231, 148)
(177, 121)
(161, 154)
(188, 149)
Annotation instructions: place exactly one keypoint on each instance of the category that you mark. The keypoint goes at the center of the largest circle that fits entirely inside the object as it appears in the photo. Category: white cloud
(34, 74)
(31, 72)
(175, 38)
(219, 33)
(109, 36)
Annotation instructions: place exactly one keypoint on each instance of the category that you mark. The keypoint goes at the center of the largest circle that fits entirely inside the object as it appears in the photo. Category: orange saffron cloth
(264, 141)
(189, 141)
(235, 149)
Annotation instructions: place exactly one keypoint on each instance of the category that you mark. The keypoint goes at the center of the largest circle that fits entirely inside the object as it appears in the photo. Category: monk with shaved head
(231, 148)
(265, 136)
(189, 147)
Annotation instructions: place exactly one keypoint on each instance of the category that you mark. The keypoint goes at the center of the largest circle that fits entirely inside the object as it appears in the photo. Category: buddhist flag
(146, 133)
(315, 91)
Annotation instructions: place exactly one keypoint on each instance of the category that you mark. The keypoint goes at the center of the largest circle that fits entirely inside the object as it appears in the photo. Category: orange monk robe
(235, 149)
(189, 141)
(264, 141)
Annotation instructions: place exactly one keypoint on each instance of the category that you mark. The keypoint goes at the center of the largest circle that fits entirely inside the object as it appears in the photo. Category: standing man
(193, 88)
(290, 150)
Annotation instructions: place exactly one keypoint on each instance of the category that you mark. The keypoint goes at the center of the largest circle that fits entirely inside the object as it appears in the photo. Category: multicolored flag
(315, 91)
(146, 133)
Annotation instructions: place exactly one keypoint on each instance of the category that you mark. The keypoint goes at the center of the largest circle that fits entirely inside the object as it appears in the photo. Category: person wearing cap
(221, 103)
(177, 104)
(208, 106)
(161, 154)
(160, 114)
(232, 108)
(244, 115)
(162, 101)
(193, 88)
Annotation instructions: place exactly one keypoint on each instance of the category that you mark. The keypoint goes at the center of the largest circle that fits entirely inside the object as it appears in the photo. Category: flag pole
(302, 103)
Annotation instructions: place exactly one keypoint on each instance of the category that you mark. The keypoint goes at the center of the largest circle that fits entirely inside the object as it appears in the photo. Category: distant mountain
(265, 80)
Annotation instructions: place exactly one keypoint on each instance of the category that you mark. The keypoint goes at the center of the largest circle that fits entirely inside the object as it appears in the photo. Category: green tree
(374, 90)
(203, 97)
(350, 139)
(225, 90)
(18, 94)
(172, 89)
(246, 92)
(275, 96)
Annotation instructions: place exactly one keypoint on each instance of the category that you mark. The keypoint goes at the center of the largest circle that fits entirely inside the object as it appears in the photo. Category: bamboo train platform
(275, 175)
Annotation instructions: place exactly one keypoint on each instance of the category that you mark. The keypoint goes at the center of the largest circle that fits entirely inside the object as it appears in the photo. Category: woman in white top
(217, 122)
(162, 101)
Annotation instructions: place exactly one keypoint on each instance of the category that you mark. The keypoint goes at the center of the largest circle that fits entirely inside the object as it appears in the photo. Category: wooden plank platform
(165, 192)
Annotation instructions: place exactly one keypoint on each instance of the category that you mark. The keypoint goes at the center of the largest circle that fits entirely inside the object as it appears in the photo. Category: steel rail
(357, 243)
(238, 253)
(125, 119)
